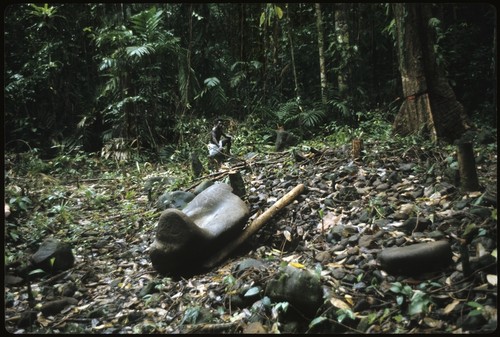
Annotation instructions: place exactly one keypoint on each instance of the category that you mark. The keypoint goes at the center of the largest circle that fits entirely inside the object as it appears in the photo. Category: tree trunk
(467, 167)
(342, 35)
(292, 56)
(321, 50)
(188, 59)
(430, 105)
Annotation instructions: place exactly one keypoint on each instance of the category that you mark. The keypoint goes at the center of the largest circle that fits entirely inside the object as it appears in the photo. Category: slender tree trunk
(321, 51)
(342, 35)
(188, 58)
(292, 56)
(430, 104)
(494, 68)
(242, 27)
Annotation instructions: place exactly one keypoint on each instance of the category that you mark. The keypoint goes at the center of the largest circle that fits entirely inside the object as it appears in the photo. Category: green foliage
(291, 114)
(477, 308)
(20, 203)
(123, 71)
(46, 14)
(217, 97)
(270, 12)
(418, 300)
(133, 62)
(342, 314)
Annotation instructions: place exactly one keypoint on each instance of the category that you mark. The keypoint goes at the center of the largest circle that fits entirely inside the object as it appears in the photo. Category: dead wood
(213, 328)
(256, 225)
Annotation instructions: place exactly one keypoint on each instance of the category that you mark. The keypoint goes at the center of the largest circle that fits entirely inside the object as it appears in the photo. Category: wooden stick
(256, 225)
(212, 328)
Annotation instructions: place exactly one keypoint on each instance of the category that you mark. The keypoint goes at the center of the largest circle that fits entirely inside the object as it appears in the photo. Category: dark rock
(348, 194)
(338, 273)
(196, 165)
(237, 183)
(382, 187)
(54, 307)
(436, 235)
(69, 289)
(417, 193)
(482, 212)
(323, 257)
(366, 241)
(179, 242)
(416, 259)
(53, 256)
(486, 262)
(27, 319)
(96, 313)
(13, 280)
(253, 199)
(249, 264)
(406, 167)
(329, 202)
(489, 197)
(175, 199)
(156, 182)
(393, 178)
(472, 322)
(300, 287)
(415, 224)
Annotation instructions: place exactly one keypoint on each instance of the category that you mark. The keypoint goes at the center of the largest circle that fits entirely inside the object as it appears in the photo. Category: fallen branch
(244, 164)
(213, 328)
(256, 225)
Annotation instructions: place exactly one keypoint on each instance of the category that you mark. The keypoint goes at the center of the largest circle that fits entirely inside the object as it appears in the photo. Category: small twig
(89, 179)
(56, 277)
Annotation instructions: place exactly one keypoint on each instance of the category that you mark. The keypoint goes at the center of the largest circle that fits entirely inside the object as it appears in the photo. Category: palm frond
(311, 117)
(139, 51)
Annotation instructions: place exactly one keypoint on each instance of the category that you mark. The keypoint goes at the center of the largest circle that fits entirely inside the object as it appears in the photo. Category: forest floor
(349, 212)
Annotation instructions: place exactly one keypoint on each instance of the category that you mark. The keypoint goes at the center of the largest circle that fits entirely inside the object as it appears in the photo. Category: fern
(312, 117)
(292, 114)
(288, 112)
(217, 95)
(140, 51)
(146, 24)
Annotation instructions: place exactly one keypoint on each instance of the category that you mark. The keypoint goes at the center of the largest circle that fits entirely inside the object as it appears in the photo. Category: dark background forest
(152, 77)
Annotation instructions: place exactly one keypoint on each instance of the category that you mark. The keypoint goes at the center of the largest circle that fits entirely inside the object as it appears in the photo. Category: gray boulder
(187, 238)
(300, 287)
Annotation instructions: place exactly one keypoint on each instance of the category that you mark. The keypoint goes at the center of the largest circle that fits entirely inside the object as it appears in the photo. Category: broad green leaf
(252, 291)
(316, 321)
(262, 18)
(279, 11)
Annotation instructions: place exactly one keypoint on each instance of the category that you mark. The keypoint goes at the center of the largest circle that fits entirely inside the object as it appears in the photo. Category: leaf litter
(350, 211)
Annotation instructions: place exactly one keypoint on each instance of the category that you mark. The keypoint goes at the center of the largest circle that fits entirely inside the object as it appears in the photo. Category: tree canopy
(142, 75)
